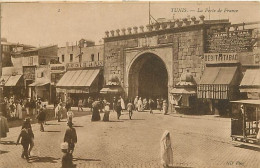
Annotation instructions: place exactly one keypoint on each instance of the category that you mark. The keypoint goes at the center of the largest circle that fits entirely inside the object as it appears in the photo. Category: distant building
(36, 66)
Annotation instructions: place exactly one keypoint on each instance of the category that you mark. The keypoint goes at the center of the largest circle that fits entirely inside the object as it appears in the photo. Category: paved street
(201, 141)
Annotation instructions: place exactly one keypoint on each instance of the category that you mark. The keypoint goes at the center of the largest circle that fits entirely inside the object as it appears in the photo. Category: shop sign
(29, 73)
(57, 68)
(213, 58)
(86, 64)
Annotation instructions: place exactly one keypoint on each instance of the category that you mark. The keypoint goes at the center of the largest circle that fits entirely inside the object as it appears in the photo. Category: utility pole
(149, 13)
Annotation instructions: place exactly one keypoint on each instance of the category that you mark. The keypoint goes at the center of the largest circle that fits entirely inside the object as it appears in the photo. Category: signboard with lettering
(29, 73)
(213, 58)
(57, 67)
(86, 64)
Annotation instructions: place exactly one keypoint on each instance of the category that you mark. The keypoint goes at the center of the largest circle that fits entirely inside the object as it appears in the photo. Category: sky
(42, 24)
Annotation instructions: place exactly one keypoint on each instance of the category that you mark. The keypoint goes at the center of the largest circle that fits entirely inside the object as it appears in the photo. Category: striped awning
(251, 81)
(13, 80)
(216, 83)
(189, 91)
(78, 78)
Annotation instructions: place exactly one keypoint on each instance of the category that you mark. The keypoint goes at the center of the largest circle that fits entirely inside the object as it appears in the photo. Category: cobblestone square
(197, 142)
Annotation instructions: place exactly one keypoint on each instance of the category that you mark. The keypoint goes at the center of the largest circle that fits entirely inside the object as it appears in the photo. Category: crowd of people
(20, 108)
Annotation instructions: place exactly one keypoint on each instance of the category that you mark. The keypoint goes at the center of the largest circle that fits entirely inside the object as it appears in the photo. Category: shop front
(79, 84)
(218, 85)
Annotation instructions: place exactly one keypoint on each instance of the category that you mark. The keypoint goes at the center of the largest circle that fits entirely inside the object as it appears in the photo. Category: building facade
(149, 63)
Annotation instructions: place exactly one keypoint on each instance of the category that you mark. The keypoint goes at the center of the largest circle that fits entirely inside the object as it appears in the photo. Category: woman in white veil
(166, 150)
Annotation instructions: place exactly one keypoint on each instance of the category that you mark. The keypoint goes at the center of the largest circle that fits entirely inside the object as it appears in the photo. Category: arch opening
(148, 77)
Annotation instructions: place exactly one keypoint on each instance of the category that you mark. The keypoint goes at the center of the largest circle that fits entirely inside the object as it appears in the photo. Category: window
(58, 59)
(30, 60)
(62, 58)
(71, 57)
(98, 56)
(92, 57)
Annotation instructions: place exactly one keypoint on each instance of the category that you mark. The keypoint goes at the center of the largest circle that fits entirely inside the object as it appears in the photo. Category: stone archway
(148, 77)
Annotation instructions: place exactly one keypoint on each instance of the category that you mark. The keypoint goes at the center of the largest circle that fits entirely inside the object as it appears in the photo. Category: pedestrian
(130, 108)
(145, 104)
(4, 129)
(27, 106)
(166, 150)
(106, 112)
(122, 103)
(68, 104)
(90, 102)
(165, 107)
(27, 121)
(25, 136)
(38, 106)
(158, 104)
(66, 161)
(136, 103)
(19, 110)
(151, 104)
(96, 107)
(118, 109)
(70, 115)
(58, 111)
(70, 137)
(114, 103)
(80, 105)
(41, 118)
(12, 107)
(5, 107)
(257, 130)
(140, 104)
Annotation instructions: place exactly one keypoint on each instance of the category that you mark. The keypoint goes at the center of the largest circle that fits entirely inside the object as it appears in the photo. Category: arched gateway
(148, 77)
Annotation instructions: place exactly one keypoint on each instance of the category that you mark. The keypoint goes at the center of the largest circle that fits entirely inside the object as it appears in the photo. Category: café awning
(216, 82)
(251, 81)
(78, 78)
(13, 80)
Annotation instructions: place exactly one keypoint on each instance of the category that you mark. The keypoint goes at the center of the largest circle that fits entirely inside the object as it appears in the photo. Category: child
(70, 115)
(66, 161)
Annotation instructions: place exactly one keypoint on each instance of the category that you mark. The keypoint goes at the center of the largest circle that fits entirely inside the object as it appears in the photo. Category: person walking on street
(80, 104)
(70, 137)
(136, 103)
(58, 111)
(151, 104)
(41, 118)
(165, 107)
(70, 115)
(130, 108)
(107, 112)
(66, 161)
(4, 129)
(166, 150)
(118, 109)
(95, 114)
(25, 136)
(140, 104)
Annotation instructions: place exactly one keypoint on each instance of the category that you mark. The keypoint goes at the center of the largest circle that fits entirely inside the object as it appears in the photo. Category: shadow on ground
(52, 131)
(87, 160)
(3, 152)
(7, 143)
(254, 148)
(44, 159)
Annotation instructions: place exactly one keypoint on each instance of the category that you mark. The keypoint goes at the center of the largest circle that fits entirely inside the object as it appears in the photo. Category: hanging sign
(213, 58)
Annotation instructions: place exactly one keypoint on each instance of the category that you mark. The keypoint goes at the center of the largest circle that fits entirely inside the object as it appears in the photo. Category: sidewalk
(204, 117)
